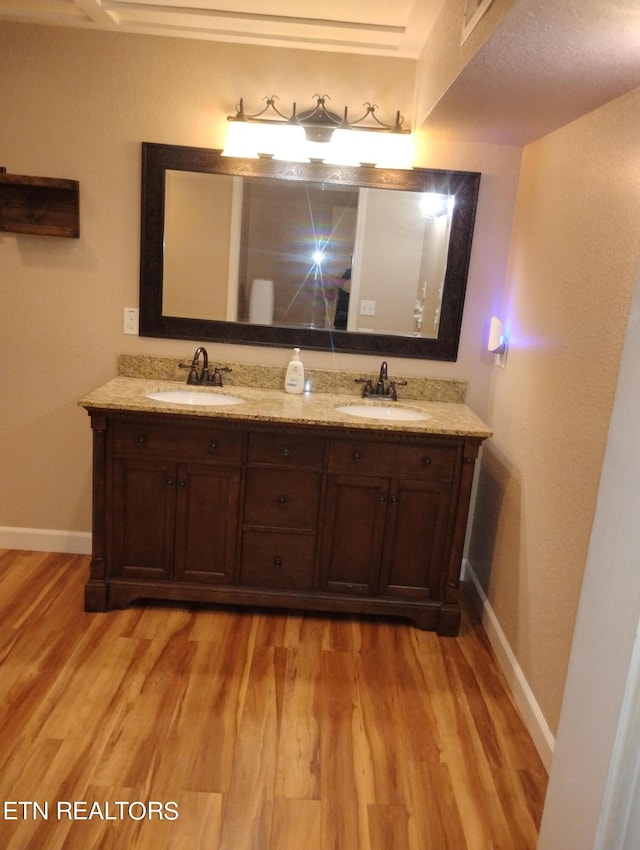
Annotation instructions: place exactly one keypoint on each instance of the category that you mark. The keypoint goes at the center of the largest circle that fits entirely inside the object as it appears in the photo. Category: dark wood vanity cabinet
(305, 517)
(387, 516)
(283, 487)
(172, 498)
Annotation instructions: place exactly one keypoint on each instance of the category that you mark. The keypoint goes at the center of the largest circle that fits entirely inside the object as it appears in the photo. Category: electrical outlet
(131, 320)
(367, 308)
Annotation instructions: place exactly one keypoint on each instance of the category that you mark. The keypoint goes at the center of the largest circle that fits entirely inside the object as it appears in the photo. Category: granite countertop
(274, 405)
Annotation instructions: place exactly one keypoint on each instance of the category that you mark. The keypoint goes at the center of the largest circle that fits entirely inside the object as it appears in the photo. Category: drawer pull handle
(426, 461)
(213, 444)
(141, 439)
(282, 500)
(277, 561)
(356, 455)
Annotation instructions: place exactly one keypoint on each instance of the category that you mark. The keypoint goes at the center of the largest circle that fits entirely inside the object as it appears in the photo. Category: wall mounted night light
(497, 341)
(319, 135)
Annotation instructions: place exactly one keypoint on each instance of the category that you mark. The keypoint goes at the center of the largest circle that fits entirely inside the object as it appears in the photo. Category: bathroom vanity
(279, 501)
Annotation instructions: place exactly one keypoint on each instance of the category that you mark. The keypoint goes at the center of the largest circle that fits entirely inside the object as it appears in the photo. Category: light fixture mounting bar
(319, 117)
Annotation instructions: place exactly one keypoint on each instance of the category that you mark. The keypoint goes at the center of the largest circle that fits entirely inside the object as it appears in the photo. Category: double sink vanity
(245, 495)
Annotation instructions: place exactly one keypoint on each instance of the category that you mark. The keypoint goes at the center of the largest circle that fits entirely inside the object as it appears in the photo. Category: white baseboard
(537, 727)
(46, 540)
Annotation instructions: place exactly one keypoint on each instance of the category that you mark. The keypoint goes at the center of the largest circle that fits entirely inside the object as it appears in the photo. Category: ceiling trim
(396, 29)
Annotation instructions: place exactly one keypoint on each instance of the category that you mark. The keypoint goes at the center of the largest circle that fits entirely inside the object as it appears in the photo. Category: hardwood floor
(260, 731)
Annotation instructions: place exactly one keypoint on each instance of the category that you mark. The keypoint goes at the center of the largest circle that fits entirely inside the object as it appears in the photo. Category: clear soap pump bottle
(294, 379)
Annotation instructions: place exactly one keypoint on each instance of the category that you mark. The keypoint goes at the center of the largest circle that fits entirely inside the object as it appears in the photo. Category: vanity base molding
(117, 594)
(274, 515)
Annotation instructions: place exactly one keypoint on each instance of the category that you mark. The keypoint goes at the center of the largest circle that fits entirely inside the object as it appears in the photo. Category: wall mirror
(262, 252)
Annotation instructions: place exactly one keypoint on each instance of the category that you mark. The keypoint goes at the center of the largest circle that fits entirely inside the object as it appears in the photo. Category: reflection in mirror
(197, 261)
(300, 238)
(305, 254)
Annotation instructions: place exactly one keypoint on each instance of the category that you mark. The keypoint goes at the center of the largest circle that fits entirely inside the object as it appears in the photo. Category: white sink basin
(385, 412)
(205, 398)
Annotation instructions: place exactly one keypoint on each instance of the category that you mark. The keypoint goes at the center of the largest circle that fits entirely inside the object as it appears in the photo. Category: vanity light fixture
(497, 341)
(318, 135)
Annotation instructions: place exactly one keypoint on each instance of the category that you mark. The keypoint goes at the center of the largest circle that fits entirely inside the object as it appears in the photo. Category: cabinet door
(144, 499)
(415, 536)
(206, 523)
(353, 533)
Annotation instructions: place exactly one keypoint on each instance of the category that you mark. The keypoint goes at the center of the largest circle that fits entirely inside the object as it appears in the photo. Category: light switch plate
(367, 308)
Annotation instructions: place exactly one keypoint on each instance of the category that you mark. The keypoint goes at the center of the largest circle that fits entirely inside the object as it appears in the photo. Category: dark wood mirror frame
(158, 158)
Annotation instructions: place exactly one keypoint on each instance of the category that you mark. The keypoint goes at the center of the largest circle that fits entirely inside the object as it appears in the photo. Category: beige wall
(443, 57)
(573, 263)
(77, 104)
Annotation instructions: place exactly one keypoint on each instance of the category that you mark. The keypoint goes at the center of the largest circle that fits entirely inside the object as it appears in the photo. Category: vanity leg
(449, 621)
(95, 596)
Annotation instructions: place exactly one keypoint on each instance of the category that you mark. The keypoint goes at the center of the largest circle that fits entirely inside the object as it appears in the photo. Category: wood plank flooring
(267, 731)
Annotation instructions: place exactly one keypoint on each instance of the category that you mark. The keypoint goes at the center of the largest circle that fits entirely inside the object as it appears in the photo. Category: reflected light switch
(367, 308)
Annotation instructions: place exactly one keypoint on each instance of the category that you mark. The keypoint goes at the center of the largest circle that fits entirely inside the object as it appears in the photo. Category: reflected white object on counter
(261, 302)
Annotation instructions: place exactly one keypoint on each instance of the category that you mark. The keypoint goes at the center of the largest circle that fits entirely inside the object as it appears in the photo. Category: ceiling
(377, 27)
(545, 64)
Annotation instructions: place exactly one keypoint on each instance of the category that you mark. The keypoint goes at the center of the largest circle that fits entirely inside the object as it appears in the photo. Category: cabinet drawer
(180, 442)
(286, 450)
(283, 498)
(364, 458)
(277, 560)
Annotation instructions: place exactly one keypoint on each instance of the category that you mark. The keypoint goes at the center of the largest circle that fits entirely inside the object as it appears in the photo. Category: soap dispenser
(294, 379)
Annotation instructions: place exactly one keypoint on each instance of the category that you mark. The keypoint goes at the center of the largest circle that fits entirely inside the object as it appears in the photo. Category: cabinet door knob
(426, 461)
(393, 500)
(141, 439)
(182, 483)
(170, 482)
(356, 455)
(282, 500)
(382, 497)
(286, 452)
(277, 561)
(213, 444)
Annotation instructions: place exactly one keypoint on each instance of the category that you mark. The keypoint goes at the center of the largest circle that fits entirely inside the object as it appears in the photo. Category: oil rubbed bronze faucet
(200, 374)
(384, 388)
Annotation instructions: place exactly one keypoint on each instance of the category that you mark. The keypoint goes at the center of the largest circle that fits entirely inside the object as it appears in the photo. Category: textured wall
(573, 261)
(443, 57)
